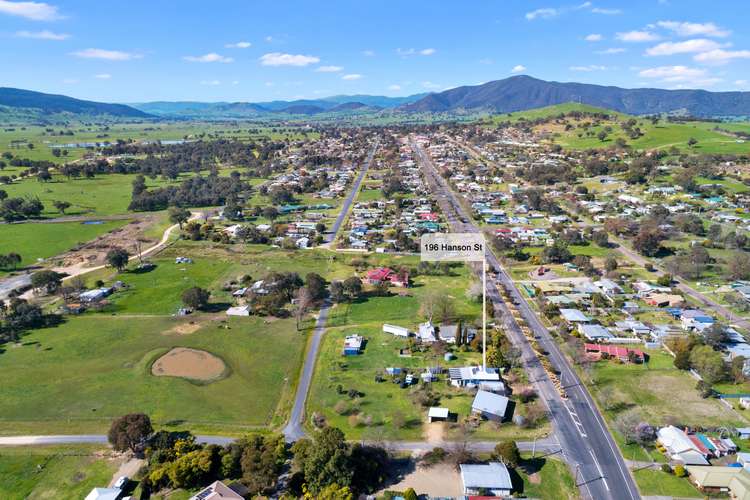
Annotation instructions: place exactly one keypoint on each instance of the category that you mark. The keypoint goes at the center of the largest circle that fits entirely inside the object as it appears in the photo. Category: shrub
(679, 470)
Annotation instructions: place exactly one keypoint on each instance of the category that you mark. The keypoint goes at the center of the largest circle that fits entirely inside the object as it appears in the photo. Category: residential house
(732, 480)
(471, 377)
(492, 478)
(490, 406)
(595, 333)
(619, 352)
(104, 494)
(695, 320)
(681, 448)
(426, 332)
(217, 491)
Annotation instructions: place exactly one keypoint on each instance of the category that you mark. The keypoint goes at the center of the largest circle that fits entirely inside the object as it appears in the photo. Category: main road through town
(599, 468)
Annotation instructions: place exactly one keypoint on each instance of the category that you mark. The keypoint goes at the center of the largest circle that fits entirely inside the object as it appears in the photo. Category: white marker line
(601, 474)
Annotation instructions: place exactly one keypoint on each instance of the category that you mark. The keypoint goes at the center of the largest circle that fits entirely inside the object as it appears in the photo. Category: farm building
(492, 478)
(353, 345)
(239, 311)
(398, 331)
(436, 414)
(490, 406)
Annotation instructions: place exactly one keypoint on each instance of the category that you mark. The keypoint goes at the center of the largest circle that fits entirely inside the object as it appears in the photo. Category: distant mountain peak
(54, 103)
(521, 92)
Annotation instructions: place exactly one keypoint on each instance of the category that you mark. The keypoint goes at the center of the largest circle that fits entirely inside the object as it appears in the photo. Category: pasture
(35, 241)
(50, 471)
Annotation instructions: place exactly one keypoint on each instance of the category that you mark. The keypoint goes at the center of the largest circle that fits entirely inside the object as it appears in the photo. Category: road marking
(601, 474)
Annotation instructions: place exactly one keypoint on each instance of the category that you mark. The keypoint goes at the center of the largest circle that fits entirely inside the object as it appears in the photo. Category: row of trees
(326, 466)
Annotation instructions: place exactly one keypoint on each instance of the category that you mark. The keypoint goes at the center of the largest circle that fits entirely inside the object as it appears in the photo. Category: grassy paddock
(53, 471)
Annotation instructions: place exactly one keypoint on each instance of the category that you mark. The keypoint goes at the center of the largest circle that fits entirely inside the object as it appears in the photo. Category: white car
(122, 482)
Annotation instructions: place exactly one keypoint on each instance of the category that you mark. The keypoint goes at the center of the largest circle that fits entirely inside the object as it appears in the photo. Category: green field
(53, 471)
(547, 478)
(43, 141)
(663, 135)
(112, 358)
(42, 240)
(656, 482)
(662, 392)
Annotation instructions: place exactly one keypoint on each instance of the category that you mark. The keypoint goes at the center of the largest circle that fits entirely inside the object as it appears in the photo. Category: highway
(599, 468)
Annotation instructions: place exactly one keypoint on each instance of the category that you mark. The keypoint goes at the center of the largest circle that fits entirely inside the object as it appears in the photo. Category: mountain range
(333, 104)
(516, 93)
(519, 93)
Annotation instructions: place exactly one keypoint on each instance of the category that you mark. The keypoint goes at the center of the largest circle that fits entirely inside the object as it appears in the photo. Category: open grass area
(656, 482)
(53, 471)
(547, 479)
(99, 196)
(660, 393)
(35, 241)
(97, 367)
(15, 139)
(662, 135)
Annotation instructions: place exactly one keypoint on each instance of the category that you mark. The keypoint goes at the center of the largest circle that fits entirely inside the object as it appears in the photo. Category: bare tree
(303, 301)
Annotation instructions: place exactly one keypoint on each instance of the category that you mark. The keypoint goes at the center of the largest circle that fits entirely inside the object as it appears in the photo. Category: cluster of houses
(696, 450)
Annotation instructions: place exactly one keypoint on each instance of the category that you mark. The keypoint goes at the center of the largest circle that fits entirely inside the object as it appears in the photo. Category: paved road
(295, 427)
(89, 438)
(587, 445)
(707, 302)
(331, 235)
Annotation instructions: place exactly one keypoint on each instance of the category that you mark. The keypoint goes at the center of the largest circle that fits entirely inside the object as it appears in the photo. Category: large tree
(195, 297)
(46, 280)
(129, 431)
(179, 215)
(118, 258)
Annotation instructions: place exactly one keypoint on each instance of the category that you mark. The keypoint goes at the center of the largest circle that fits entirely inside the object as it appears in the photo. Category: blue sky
(256, 50)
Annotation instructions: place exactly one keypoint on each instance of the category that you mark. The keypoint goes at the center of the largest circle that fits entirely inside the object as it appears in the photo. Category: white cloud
(546, 13)
(329, 69)
(682, 75)
(212, 83)
(518, 68)
(36, 11)
(103, 76)
(612, 50)
(606, 12)
(430, 85)
(741, 83)
(594, 37)
(412, 52)
(693, 29)
(394, 87)
(268, 39)
(686, 47)
(590, 67)
(351, 76)
(637, 36)
(238, 45)
(211, 57)
(368, 53)
(486, 61)
(42, 35)
(279, 59)
(107, 55)
(718, 57)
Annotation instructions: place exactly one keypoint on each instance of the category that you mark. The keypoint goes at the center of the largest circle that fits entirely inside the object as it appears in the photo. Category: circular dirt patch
(189, 363)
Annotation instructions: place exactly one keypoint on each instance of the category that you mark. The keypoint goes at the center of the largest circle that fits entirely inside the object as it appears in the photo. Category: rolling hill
(21, 102)
(519, 93)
